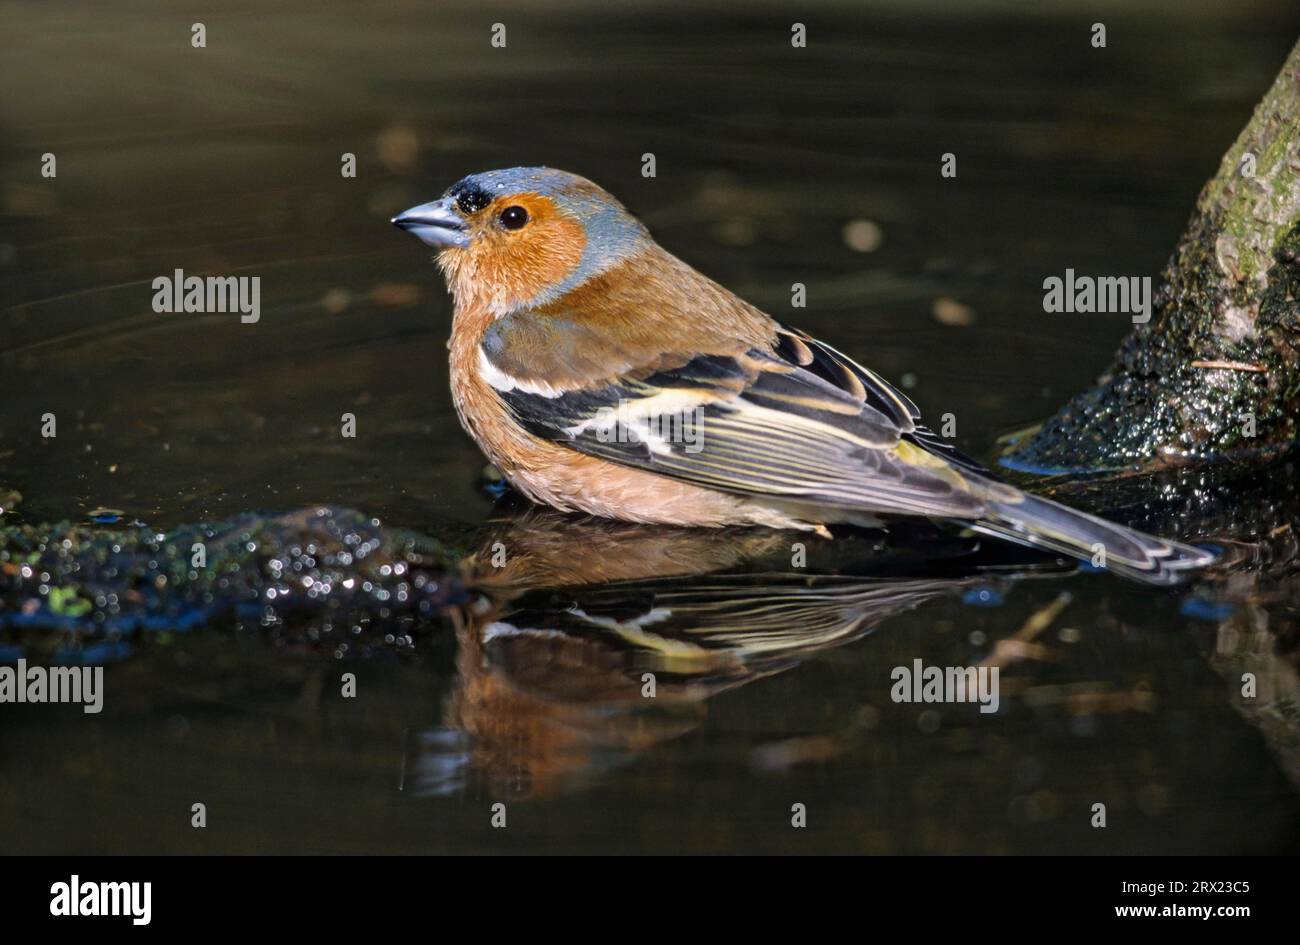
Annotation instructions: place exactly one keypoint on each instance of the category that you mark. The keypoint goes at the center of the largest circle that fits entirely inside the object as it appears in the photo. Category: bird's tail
(1041, 523)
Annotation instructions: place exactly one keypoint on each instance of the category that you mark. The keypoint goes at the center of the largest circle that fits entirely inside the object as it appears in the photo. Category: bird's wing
(802, 349)
(796, 422)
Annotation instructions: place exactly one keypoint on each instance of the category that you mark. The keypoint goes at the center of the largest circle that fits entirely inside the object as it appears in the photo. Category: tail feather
(1041, 523)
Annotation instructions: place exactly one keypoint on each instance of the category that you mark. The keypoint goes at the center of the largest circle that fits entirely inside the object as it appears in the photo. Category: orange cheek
(511, 267)
(531, 260)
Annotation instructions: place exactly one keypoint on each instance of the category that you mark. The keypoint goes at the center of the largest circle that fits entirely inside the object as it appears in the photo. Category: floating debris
(948, 311)
(396, 295)
(863, 236)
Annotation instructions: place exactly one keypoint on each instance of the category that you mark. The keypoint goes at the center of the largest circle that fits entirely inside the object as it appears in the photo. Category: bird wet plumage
(575, 334)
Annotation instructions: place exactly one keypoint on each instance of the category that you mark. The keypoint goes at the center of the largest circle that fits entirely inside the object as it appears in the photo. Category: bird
(603, 375)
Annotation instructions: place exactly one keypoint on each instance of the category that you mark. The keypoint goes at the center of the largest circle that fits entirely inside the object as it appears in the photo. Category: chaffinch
(602, 374)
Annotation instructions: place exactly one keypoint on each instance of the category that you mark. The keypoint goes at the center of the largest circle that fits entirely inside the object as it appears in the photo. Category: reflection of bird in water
(596, 640)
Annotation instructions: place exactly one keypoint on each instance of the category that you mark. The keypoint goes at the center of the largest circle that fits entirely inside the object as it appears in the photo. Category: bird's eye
(512, 218)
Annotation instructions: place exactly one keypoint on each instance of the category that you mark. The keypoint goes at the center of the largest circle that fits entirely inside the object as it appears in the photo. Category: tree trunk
(1215, 374)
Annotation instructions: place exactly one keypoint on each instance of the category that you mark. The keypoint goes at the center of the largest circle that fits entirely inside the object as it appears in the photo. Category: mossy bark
(1215, 374)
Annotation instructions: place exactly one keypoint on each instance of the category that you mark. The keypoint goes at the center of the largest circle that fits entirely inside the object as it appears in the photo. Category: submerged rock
(102, 585)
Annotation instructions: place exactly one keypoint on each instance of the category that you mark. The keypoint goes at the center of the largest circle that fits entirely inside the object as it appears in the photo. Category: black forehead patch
(470, 197)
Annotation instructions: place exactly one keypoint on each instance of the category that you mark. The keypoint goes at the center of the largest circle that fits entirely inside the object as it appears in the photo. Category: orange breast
(565, 479)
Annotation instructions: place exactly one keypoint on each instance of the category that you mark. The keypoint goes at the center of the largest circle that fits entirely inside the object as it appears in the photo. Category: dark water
(773, 690)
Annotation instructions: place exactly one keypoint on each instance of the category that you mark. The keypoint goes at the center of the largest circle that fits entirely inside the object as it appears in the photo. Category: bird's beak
(436, 223)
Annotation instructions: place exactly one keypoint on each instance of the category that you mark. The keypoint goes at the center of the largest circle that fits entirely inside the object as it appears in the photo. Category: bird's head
(523, 237)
